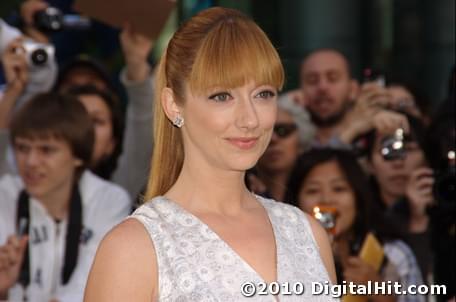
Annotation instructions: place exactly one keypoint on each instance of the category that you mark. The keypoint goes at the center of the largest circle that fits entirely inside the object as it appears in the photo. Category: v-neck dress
(195, 264)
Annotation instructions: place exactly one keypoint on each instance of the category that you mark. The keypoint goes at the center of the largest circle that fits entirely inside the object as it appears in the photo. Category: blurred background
(410, 40)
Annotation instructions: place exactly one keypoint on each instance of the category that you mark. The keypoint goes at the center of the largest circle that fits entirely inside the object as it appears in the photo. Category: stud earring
(178, 121)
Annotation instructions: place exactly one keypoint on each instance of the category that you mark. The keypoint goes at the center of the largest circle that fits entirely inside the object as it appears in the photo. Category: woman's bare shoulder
(129, 228)
(126, 253)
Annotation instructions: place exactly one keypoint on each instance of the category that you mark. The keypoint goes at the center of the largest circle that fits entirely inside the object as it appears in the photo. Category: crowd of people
(198, 135)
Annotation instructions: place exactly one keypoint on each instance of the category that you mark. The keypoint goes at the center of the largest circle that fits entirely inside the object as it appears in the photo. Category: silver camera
(393, 147)
(38, 54)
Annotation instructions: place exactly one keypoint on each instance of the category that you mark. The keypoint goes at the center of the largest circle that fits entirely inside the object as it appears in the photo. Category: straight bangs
(55, 116)
(234, 53)
(38, 134)
(46, 126)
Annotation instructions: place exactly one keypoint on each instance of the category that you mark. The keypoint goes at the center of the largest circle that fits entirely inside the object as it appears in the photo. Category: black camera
(38, 54)
(52, 19)
(393, 146)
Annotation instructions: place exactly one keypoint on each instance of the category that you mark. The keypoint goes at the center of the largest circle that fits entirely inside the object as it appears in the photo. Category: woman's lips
(399, 179)
(243, 142)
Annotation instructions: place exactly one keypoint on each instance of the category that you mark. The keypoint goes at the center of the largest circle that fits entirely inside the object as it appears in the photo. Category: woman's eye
(266, 94)
(340, 189)
(221, 97)
(310, 191)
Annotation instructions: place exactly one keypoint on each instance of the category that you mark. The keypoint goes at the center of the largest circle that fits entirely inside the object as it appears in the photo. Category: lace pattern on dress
(195, 264)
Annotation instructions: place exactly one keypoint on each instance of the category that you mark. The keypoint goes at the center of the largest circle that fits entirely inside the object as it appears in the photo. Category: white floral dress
(195, 264)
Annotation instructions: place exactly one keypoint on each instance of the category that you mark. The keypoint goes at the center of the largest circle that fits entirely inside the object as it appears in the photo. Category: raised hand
(28, 9)
(11, 257)
(371, 100)
(419, 195)
(15, 66)
(370, 112)
(136, 48)
(386, 122)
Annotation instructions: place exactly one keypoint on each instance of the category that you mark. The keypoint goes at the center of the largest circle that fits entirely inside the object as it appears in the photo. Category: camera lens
(50, 19)
(39, 57)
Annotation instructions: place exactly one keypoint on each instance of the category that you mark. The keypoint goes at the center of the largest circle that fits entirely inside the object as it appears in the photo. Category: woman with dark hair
(327, 177)
(106, 113)
(403, 184)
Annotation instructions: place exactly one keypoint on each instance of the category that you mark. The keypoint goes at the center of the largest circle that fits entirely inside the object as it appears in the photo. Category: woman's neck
(210, 190)
(388, 199)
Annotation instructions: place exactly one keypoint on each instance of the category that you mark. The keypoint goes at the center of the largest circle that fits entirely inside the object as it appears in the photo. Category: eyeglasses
(283, 130)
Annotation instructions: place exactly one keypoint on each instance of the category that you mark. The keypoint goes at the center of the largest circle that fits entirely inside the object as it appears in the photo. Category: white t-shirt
(104, 204)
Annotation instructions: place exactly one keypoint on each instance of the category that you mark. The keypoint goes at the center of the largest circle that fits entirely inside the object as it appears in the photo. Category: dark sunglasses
(283, 130)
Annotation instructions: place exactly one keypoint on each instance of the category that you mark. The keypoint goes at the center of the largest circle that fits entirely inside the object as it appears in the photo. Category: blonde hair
(219, 47)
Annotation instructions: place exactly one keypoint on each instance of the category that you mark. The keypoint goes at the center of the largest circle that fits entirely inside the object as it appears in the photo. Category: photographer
(33, 49)
(22, 82)
(340, 110)
(403, 185)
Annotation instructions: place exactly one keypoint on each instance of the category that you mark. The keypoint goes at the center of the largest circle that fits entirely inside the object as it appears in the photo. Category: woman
(327, 177)
(106, 113)
(204, 234)
(404, 185)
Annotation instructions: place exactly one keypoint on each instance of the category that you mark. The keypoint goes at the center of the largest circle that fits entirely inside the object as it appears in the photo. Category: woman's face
(392, 175)
(283, 149)
(101, 116)
(228, 129)
(327, 185)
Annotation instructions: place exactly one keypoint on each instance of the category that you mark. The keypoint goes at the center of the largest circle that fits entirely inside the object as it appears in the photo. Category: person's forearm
(6, 107)
(353, 128)
(137, 72)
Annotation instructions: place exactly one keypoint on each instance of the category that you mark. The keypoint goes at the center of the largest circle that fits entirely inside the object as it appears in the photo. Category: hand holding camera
(14, 60)
(41, 19)
(420, 196)
(28, 10)
(369, 113)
